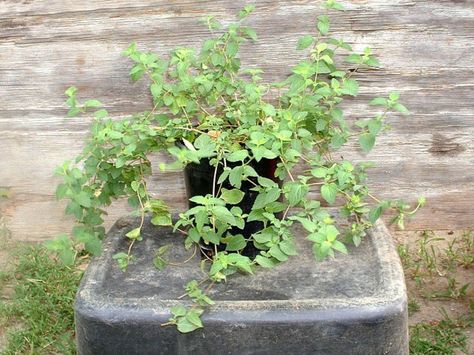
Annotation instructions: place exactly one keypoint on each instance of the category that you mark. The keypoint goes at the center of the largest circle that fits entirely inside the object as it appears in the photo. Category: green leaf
(305, 42)
(288, 247)
(163, 219)
(238, 155)
(185, 326)
(134, 233)
(235, 176)
(61, 191)
(375, 213)
(354, 58)
(102, 113)
(295, 192)
(276, 252)
(91, 242)
(367, 141)
(379, 101)
(329, 192)
(307, 224)
(123, 260)
(332, 4)
(374, 126)
(323, 24)
(83, 199)
(250, 33)
(71, 91)
(269, 110)
(394, 95)
(234, 242)
(247, 10)
(400, 108)
(337, 245)
(223, 214)
(350, 87)
(265, 262)
(178, 311)
(194, 317)
(92, 103)
(266, 197)
(156, 90)
(159, 263)
(304, 68)
(233, 196)
(62, 245)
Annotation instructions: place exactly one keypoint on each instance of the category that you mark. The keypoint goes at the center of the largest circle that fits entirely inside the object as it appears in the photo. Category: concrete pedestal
(353, 304)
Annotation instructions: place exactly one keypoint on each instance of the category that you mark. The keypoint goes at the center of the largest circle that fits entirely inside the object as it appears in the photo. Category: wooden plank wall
(426, 48)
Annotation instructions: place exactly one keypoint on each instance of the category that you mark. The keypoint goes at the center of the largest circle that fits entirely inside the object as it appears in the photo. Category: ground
(439, 272)
(438, 269)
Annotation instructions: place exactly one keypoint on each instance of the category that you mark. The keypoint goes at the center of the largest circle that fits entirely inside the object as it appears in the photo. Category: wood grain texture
(426, 48)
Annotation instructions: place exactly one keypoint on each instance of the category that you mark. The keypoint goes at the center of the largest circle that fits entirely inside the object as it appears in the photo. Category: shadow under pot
(199, 179)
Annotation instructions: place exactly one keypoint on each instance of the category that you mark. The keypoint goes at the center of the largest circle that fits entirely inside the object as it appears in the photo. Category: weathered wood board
(426, 48)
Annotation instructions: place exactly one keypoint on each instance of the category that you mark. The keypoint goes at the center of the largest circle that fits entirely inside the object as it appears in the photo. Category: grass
(434, 265)
(39, 315)
(440, 338)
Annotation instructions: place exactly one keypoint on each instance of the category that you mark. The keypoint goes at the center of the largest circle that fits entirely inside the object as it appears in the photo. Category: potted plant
(255, 155)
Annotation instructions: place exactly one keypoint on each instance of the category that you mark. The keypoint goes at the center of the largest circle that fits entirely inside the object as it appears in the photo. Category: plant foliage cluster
(206, 106)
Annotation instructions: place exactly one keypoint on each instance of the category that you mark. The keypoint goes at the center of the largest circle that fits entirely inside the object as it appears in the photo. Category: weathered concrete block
(354, 304)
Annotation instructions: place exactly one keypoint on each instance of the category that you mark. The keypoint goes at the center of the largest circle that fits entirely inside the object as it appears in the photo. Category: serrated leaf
(350, 87)
(134, 233)
(305, 42)
(266, 197)
(354, 58)
(276, 252)
(401, 108)
(337, 245)
(378, 101)
(238, 155)
(63, 247)
(223, 214)
(374, 126)
(155, 89)
(102, 113)
(178, 311)
(295, 192)
(250, 33)
(329, 192)
(194, 317)
(265, 262)
(71, 91)
(233, 196)
(159, 263)
(83, 199)
(184, 326)
(323, 24)
(375, 213)
(269, 110)
(367, 141)
(92, 103)
(288, 247)
(162, 219)
(247, 10)
(234, 242)
(394, 95)
(266, 182)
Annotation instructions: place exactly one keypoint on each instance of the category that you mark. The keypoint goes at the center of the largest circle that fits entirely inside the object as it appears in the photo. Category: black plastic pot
(199, 178)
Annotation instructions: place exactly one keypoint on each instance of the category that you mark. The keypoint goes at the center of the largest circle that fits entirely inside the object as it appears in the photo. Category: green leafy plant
(206, 107)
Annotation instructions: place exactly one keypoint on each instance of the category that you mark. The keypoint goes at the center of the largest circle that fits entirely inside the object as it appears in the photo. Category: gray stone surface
(353, 304)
